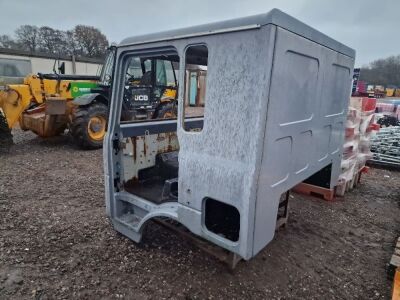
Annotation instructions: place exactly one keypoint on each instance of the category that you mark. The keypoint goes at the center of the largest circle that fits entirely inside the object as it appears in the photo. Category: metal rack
(385, 147)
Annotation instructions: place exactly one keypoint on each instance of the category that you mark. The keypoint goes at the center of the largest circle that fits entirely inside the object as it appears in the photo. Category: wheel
(6, 140)
(89, 124)
(166, 111)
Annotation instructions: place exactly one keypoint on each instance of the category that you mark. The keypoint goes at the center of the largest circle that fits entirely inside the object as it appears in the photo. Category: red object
(364, 169)
(368, 104)
(375, 127)
(361, 87)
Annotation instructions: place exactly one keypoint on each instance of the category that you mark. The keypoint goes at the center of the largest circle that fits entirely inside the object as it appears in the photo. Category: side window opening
(196, 62)
(150, 89)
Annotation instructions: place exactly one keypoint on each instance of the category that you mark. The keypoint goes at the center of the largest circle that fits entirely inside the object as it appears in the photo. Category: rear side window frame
(184, 83)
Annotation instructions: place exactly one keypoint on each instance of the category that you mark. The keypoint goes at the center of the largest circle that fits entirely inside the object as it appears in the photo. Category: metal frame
(155, 127)
(276, 104)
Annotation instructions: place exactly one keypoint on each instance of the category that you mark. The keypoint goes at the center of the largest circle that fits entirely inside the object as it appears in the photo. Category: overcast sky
(369, 26)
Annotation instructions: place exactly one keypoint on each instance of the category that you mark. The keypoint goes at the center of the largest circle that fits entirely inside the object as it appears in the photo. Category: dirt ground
(56, 242)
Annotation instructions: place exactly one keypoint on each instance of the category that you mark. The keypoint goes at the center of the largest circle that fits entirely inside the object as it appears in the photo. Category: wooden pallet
(314, 190)
(395, 263)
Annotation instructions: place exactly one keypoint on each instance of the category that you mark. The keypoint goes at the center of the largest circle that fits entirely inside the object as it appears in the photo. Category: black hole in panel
(222, 219)
(322, 178)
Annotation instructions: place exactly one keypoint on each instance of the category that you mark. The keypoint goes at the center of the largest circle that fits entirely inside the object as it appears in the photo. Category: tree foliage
(27, 37)
(51, 40)
(7, 42)
(90, 40)
(384, 72)
(82, 40)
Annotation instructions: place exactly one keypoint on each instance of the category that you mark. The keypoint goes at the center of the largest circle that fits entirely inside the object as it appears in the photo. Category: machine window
(135, 69)
(107, 69)
(14, 67)
(161, 76)
(150, 89)
(196, 61)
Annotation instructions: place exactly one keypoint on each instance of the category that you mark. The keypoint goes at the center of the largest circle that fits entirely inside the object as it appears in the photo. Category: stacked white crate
(360, 127)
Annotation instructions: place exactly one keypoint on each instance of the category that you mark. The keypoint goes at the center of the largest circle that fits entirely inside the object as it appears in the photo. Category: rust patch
(144, 146)
(134, 147)
(169, 148)
(160, 137)
(169, 139)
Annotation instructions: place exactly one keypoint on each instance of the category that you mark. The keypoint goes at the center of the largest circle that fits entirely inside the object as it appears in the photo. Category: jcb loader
(47, 104)
(43, 104)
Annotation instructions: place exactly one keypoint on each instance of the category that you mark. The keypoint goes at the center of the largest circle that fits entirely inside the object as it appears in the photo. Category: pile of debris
(388, 112)
(385, 146)
(360, 128)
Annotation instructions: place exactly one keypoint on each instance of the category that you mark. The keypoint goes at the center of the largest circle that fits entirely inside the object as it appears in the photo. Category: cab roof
(274, 17)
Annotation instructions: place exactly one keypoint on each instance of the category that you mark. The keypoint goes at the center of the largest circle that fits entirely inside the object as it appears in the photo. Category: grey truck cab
(262, 103)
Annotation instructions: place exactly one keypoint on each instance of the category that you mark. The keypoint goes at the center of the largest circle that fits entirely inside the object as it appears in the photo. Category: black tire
(6, 139)
(79, 129)
(164, 110)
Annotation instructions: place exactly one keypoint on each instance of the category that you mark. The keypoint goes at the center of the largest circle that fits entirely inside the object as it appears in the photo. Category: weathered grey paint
(276, 101)
(275, 17)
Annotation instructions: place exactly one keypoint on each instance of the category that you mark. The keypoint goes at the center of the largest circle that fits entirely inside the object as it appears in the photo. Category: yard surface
(56, 241)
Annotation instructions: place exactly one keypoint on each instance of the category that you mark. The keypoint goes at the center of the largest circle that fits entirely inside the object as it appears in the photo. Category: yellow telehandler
(47, 104)
(43, 104)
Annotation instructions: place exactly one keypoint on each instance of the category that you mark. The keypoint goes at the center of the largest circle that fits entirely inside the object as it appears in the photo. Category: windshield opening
(150, 89)
(106, 72)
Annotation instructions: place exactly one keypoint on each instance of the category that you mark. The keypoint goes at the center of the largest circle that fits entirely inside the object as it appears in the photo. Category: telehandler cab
(150, 88)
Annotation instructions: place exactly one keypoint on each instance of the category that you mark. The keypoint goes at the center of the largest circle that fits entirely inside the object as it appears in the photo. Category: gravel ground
(56, 241)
